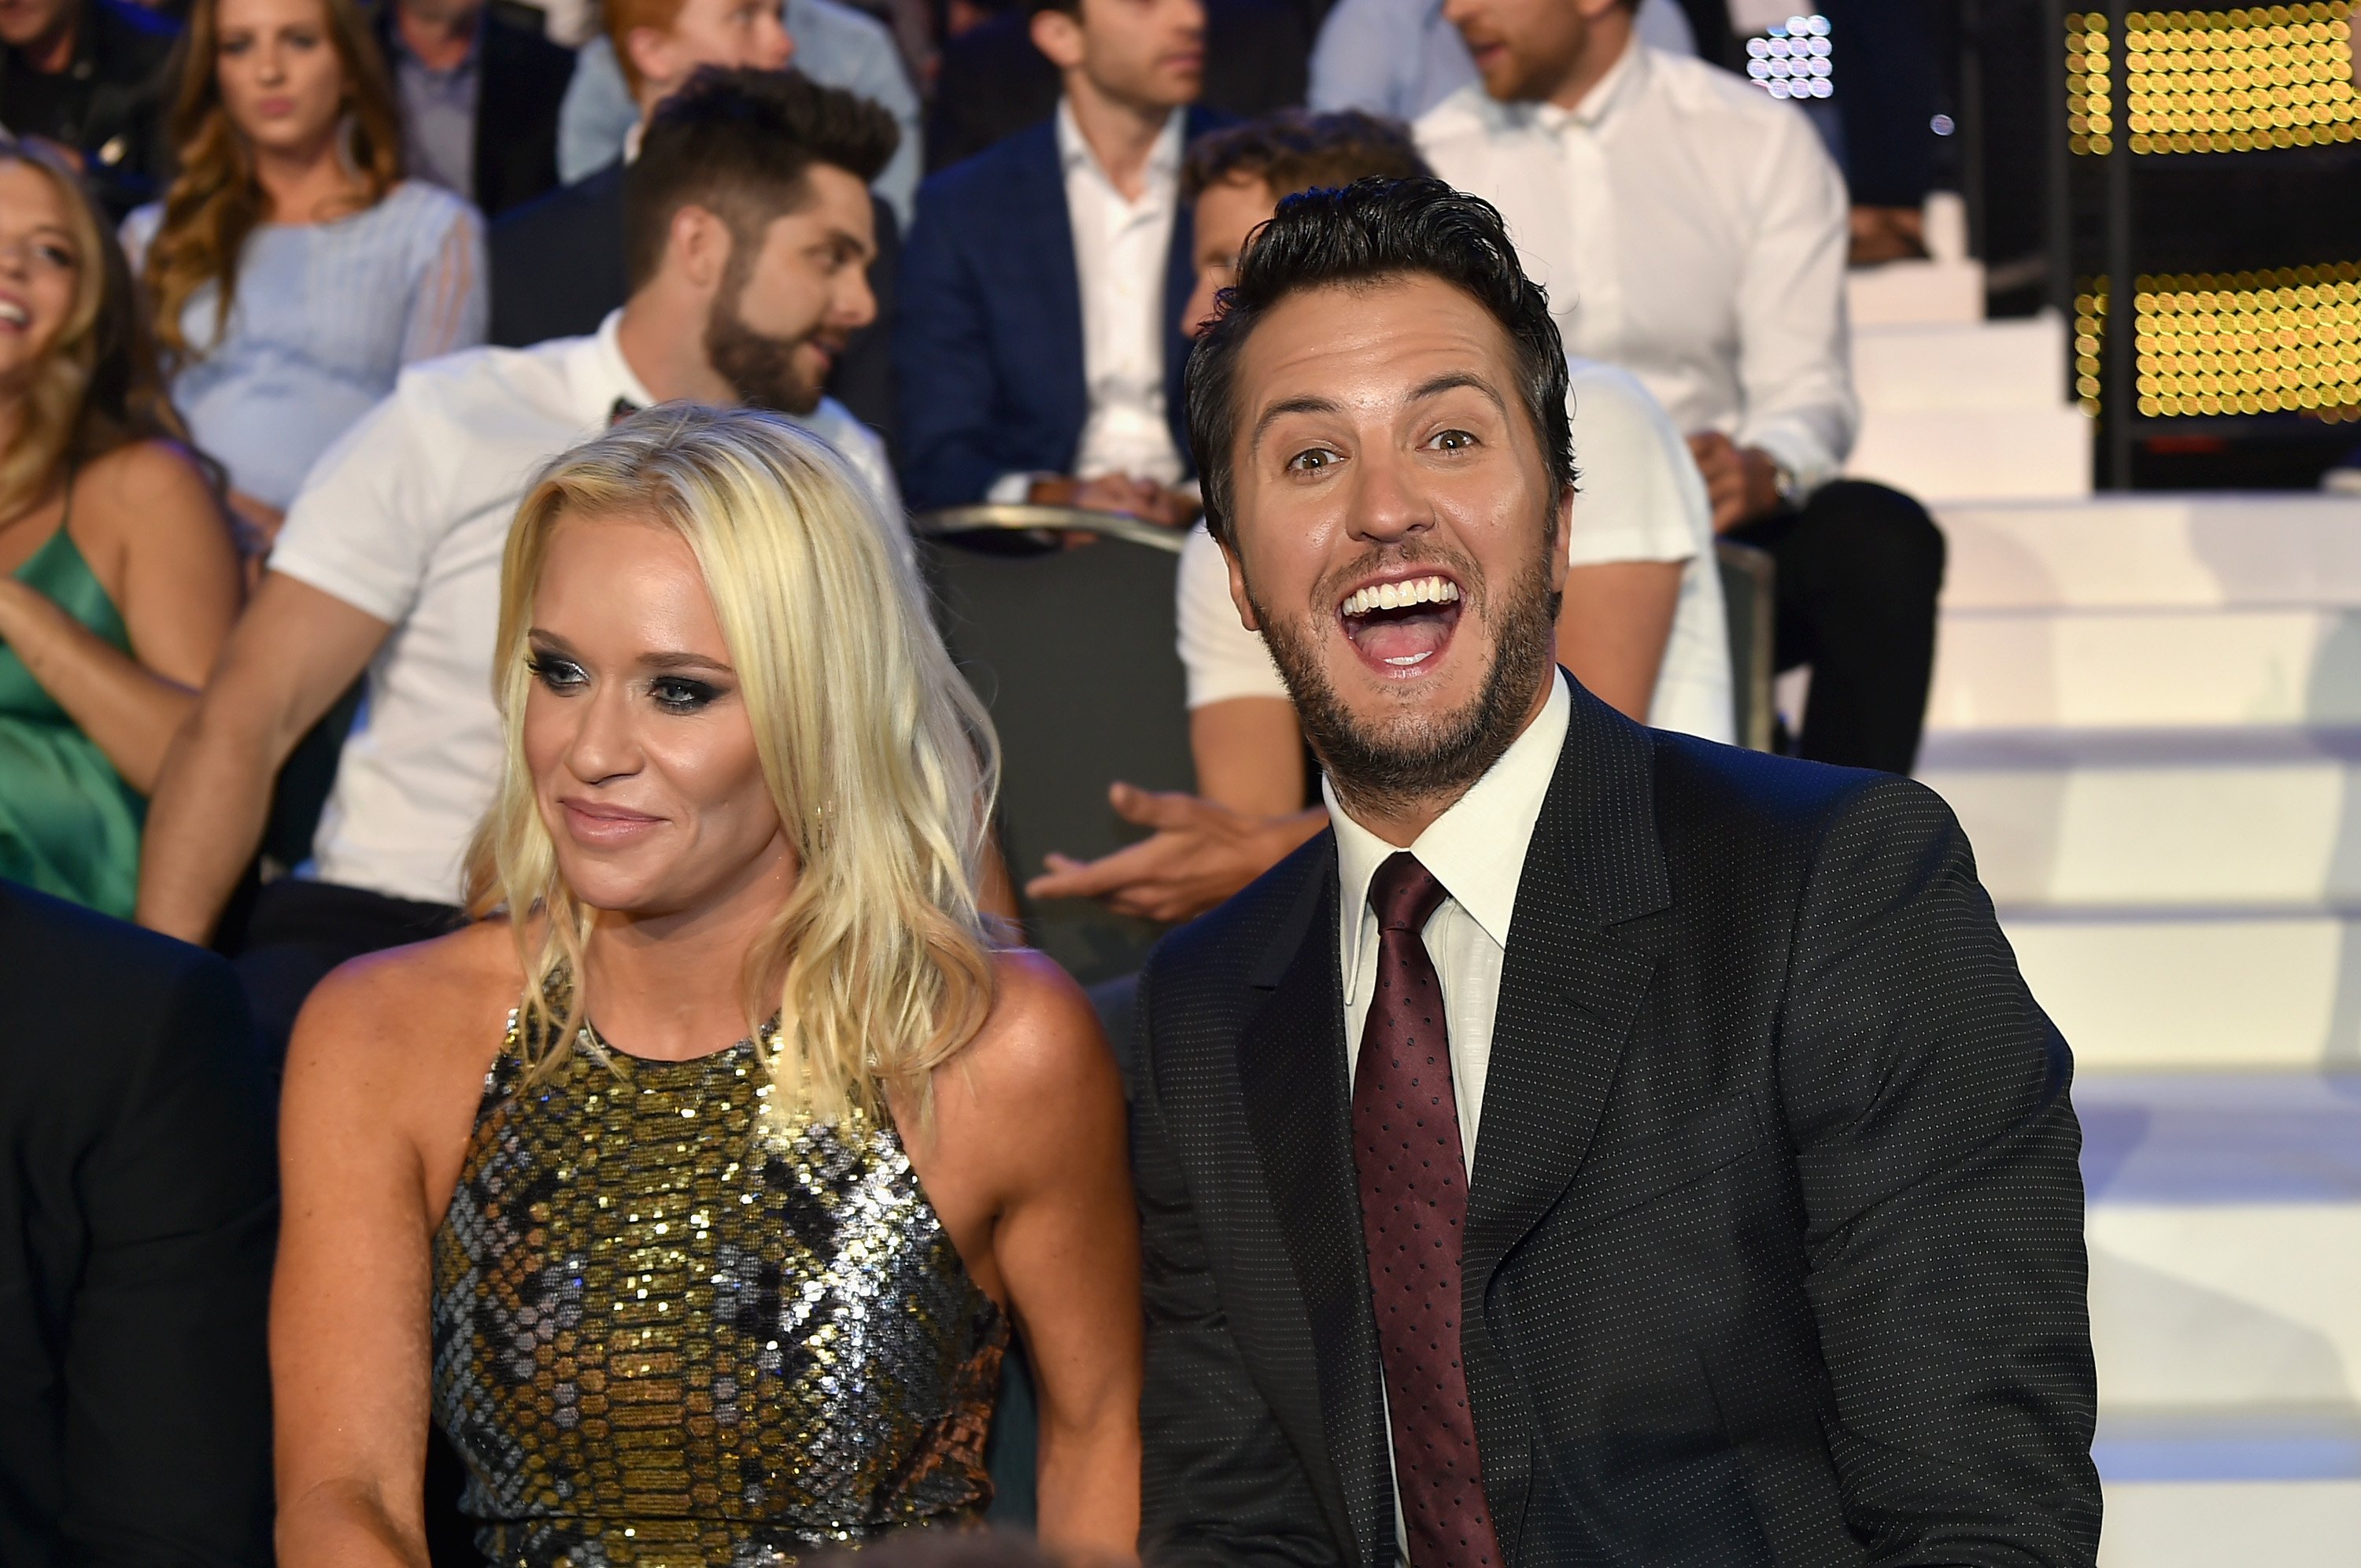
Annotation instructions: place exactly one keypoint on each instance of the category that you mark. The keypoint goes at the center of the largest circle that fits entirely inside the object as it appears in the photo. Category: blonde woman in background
(695, 1299)
(118, 579)
(291, 270)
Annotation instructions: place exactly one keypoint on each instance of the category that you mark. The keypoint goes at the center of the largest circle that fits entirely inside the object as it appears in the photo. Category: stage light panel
(2235, 80)
(1793, 60)
(2245, 343)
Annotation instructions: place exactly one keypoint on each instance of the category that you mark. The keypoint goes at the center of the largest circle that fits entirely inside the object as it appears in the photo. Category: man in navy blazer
(1017, 385)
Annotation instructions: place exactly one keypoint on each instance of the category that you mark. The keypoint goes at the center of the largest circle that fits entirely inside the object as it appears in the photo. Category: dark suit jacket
(989, 336)
(1773, 1250)
(137, 1220)
(994, 82)
(112, 103)
(558, 270)
(520, 80)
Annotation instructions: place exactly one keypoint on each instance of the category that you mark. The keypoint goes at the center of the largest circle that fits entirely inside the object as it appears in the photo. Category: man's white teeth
(10, 310)
(1411, 659)
(1402, 595)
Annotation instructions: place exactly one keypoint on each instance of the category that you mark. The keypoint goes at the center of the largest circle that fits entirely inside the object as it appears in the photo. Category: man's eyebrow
(1453, 381)
(1309, 403)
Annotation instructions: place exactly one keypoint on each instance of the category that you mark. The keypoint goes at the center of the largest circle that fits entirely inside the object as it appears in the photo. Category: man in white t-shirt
(750, 228)
(1639, 624)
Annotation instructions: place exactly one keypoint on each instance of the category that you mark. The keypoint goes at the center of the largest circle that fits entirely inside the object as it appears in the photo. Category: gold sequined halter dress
(664, 1334)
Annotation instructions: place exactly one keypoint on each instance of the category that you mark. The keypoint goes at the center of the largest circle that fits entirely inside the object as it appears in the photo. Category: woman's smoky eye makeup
(671, 694)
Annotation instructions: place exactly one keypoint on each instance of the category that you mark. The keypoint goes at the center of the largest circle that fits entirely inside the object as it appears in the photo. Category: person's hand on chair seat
(1143, 499)
(1741, 481)
(1200, 854)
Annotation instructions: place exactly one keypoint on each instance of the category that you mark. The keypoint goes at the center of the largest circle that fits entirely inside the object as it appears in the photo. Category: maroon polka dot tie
(1414, 1182)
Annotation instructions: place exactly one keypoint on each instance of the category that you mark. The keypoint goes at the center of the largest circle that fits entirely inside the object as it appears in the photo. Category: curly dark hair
(740, 143)
(1296, 149)
(1367, 232)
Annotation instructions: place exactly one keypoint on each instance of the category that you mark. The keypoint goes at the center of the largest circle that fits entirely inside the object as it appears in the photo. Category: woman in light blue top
(292, 271)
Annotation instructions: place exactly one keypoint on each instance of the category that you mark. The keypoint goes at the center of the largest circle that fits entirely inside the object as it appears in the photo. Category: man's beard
(762, 368)
(1426, 757)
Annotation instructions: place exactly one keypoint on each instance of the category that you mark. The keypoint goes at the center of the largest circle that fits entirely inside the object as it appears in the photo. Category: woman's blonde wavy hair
(97, 388)
(881, 762)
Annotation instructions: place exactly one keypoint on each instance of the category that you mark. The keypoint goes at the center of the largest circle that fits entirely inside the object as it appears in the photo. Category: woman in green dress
(118, 573)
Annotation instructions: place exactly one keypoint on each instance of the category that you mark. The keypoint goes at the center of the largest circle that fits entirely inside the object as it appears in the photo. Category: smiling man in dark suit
(1603, 1146)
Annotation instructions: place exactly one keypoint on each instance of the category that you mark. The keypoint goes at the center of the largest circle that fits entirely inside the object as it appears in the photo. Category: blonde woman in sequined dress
(693, 1190)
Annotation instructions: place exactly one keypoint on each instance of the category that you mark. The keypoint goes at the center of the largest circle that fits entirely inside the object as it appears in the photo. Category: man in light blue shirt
(835, 45)
(1396, 58)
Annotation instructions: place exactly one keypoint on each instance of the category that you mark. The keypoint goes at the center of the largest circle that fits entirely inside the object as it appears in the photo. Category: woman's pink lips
(597, 824)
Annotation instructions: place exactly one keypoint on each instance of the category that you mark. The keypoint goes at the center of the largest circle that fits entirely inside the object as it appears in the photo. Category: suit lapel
(1292, 1072)
(1043, 230)
(1578, 964)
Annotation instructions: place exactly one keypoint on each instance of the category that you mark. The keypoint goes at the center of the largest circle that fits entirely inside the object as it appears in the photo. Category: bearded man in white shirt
(1694, 231)
(747, 228)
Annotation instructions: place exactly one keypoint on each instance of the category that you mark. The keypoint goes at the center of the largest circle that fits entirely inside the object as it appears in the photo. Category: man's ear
(1238, 585)
(651, 55)
(1060, 37)
(1561, 530)
(698, 245)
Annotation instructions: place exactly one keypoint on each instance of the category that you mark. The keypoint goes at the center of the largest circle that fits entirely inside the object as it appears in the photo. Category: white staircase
(2147, 714)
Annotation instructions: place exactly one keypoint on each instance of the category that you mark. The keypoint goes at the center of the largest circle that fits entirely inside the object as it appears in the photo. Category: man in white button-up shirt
(752, 231)
(1039, 342)
(1693, 230)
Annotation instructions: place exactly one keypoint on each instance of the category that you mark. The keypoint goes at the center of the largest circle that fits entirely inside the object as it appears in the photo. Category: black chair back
(1073, 649)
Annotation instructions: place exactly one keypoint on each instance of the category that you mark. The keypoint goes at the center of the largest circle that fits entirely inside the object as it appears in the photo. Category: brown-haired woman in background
(291, 270)
(118, 580)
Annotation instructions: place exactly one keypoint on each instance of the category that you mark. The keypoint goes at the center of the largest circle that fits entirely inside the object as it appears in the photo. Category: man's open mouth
(1401, 627)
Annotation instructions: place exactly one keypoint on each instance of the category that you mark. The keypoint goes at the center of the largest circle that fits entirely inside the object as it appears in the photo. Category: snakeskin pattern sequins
(667, 1334)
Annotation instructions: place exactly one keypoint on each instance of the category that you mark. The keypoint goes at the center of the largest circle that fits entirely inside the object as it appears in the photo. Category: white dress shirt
(1640, 497)
(1689, 228)
(1476, 850)
(405, 518)
(1123, 253)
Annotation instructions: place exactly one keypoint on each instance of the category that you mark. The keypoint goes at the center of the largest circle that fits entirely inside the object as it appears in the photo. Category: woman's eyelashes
(670, 694)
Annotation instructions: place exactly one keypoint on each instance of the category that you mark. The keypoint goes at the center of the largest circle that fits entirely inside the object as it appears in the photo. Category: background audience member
(290, 270)
(995, 80)
(1639, 622)
(1693, 230)
(480, 93)
(1400, 58)
(1041, 296)
(835, 45)
(118, 579)
(137, 1220)
(94, 77)
(748, 220)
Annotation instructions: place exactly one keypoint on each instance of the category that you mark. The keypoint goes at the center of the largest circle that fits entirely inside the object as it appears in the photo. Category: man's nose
(1387, 504)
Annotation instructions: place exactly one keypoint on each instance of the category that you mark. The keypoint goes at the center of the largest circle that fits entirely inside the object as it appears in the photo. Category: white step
(1927, 291)
(2270, 1524)
(1945, 454)
(2156, 990)
(2145, 668)
(2224, 1234)
(2155, 551)
(2234, 820)
(1954, 366)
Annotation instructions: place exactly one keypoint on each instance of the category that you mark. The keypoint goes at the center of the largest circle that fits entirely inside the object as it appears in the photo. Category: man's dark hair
(1295, 150)
(740, 143)
(1373, 230)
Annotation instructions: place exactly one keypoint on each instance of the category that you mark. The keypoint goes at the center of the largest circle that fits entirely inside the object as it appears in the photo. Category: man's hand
(1143, 499)
(1742, 483)
(1200, 854)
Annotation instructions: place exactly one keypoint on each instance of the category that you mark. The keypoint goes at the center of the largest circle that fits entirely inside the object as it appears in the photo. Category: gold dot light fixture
(2245, 343)
(2235, 80)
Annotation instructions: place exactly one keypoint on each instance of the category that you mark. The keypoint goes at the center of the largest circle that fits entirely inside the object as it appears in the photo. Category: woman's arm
(158, 544)
(350, 1349)
(1063, 1235)
(450, 306)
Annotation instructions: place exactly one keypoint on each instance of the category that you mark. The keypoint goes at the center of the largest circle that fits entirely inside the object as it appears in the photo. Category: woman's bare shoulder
(428, 1006)
(1041, 1047)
